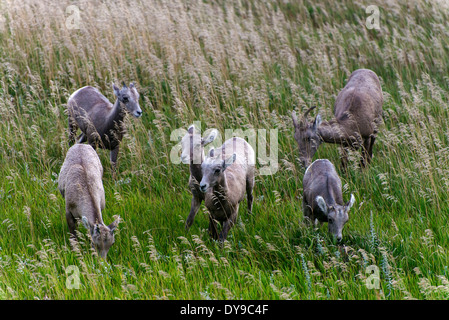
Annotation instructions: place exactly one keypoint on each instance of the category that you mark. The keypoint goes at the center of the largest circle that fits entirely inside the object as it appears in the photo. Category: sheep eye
(331, 221)
(217, 171)
(125, 99)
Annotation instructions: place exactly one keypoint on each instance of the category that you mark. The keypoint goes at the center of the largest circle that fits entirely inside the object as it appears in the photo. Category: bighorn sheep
(80, 183)
(192, 146)
(227, 173)
(358, 114)
(323, 199)
(100, 121)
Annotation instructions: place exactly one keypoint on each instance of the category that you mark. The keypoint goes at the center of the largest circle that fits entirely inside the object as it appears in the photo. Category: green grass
(228, 65)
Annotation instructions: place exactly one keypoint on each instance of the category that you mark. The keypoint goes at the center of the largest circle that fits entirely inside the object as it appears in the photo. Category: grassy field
(231, 65)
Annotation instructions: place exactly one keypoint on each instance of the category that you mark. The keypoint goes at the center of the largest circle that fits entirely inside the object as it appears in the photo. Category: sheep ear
(211, 152)
(317, 122)
(131, 85)
(211, 137)
(229, 161)
(321, 204)
(116, 90)
(294, 118)
(191, 129)
(85, 222)
(114, 225)
(350, 203)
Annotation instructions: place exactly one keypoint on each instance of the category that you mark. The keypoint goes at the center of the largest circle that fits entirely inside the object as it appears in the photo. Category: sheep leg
(82, 138)
(91, 141)
(71, 222)
(249, 193)
(195, 206)
(370, 150)
(227, 225)
(73, 127)
(213, 228)
(113, 157)
(365, 152)
(307, 212)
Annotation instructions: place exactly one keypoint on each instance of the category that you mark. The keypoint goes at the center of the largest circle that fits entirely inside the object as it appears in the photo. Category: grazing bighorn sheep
(358, 114)
(192, 146)
(80, 183)
(225, 181)
(323, 198)
(100, 121)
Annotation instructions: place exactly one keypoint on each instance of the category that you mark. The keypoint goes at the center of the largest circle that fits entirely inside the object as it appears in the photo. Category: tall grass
(229, 64)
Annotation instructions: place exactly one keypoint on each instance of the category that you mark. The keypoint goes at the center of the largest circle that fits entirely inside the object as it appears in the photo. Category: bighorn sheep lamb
(192, 146)
(358, 114)
(323, 199)
(80, 183)
(100, 121)
(227, 173)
